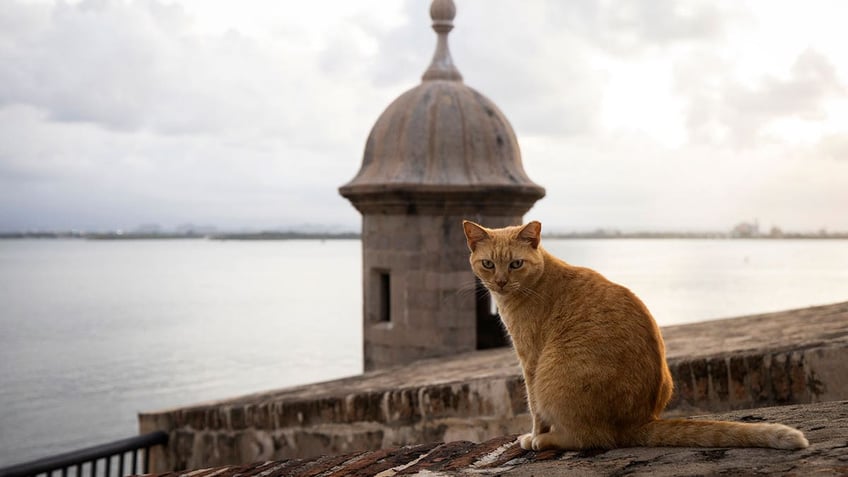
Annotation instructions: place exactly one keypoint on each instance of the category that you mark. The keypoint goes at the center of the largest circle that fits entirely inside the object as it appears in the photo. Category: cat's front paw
(526, 441)
(541, 442)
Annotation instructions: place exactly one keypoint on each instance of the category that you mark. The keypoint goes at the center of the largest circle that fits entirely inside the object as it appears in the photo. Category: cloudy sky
(654, 114)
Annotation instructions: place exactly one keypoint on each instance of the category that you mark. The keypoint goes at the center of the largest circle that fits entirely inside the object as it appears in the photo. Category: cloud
(833, 146)
(115, 102)
(137, 66)
(541, 77)
(723, 109)
(120, 112)
(548, 71)
(404, 51)
(79, 175)
(628, 28)
(89, 62)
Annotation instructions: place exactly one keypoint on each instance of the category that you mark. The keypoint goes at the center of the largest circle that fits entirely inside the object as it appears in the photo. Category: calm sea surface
(92, 332)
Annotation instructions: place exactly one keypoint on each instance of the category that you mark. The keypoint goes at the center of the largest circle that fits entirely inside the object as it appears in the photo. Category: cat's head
(506, 260)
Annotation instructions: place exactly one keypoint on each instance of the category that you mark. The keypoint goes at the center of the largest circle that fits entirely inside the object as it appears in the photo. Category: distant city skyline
(638, 116)
(743, 229)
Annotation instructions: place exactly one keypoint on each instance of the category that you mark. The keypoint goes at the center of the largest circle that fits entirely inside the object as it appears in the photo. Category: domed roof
(442, 137)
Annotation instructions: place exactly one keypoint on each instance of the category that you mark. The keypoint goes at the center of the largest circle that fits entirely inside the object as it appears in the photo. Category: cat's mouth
(501, 289)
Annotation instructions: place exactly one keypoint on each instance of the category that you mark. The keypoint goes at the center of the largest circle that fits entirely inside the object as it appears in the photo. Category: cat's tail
(691, 433)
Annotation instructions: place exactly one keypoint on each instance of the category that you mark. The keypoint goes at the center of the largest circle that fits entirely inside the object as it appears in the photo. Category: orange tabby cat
(592, 355)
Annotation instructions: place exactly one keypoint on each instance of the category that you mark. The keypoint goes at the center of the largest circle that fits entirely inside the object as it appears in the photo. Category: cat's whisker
(472, 289)
(467, 289)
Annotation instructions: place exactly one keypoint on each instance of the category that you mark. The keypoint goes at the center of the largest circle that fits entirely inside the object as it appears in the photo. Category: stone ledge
(783, 331)
(825, 424)
(792, 357)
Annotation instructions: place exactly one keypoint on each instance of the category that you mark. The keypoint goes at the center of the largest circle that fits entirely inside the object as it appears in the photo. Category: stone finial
(442, 68)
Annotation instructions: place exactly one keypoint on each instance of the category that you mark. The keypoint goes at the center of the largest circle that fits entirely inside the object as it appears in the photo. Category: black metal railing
(120, 458)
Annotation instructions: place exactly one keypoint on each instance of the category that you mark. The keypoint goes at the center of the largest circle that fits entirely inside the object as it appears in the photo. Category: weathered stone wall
(796, 356)
(799, 356)
(433, 305)
(825, 426)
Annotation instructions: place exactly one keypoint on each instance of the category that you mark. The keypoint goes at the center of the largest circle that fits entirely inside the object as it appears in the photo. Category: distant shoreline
(181, 236)
(271, 235)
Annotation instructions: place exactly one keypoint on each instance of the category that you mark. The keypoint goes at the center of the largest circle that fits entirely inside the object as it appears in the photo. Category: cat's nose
(501, 283)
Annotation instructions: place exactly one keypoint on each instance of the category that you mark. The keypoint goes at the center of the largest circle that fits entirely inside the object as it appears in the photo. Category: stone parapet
(791, 357)
(796, 356)
(825, 425)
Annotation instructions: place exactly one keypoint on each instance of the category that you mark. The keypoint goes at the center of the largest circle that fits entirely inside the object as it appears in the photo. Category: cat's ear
(531, 233)
(474, 234)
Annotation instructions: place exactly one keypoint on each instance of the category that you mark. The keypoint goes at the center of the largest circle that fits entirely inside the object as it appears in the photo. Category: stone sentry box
(440, 153)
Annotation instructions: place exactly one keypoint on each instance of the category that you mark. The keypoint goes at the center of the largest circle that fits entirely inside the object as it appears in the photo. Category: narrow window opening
(384, 296)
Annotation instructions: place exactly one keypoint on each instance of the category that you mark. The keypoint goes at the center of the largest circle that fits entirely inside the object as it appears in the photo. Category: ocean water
(93, 332)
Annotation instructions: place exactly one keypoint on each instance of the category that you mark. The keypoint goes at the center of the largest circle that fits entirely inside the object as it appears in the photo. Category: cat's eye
(487, 264)
(516, 264)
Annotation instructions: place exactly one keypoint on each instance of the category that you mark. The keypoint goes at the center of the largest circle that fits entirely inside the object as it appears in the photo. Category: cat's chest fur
(527, 329)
